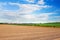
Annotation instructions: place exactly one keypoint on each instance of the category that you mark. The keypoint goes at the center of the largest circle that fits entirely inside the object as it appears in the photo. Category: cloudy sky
(29, 11)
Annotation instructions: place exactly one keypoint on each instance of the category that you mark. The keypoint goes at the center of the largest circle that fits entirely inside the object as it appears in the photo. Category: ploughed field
(15, 32)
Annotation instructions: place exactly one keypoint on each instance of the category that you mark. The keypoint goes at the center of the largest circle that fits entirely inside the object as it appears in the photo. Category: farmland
(20, 32)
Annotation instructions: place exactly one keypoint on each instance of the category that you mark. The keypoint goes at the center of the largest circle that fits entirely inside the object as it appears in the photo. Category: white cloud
(30, 16)
(37, 17)
(41, 2)
(43, 17)
(27, 8)
(32, 1)
(24, 14)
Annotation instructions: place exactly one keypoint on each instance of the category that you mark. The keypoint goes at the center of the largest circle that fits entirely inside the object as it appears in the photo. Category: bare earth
(14, 32)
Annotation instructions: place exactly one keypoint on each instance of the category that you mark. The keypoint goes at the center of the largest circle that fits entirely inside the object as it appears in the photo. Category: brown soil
(14, 32)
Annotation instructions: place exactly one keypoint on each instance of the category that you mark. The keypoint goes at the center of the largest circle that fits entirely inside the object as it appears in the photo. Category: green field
(55, 24)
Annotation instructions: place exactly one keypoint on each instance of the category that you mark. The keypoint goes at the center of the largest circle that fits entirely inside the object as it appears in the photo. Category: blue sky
(29, 11)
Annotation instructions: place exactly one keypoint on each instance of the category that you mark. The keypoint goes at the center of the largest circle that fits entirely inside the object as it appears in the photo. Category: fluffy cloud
(26, 8)
(41, 2)
(24, 13)
(25, 17)
(32, 1)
